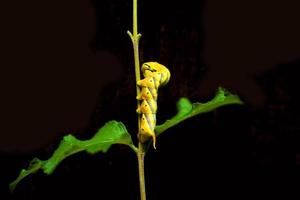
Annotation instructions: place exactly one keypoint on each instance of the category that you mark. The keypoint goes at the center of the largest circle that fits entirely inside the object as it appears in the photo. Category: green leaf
(186, 109)
(112, 132)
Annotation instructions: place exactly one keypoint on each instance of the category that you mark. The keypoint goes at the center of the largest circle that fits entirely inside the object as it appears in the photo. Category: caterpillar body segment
(147, 93)
(147, 107)
(148, 123)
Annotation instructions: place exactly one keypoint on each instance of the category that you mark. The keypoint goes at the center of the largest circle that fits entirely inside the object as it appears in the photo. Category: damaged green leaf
(112, 132)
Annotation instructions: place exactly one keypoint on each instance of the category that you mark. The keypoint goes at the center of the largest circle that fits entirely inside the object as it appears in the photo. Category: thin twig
(135, 37)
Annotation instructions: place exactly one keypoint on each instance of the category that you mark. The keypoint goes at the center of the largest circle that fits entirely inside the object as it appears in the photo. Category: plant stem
(135, 37)
(141, 156)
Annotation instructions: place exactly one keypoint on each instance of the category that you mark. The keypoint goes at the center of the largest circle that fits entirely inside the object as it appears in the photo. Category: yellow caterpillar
(155, 75)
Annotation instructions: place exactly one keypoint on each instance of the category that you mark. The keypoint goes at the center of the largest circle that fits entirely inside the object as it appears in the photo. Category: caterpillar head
(158, 71)
(152, 66)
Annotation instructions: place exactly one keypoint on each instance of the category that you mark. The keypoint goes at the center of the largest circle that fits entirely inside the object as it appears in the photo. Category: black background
(67, 67)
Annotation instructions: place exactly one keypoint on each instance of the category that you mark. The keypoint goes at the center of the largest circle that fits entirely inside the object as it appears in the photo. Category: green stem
(135, 37)
(141, 156)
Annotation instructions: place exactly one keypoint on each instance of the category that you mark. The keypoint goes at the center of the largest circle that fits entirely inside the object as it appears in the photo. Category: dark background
(67, 67)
